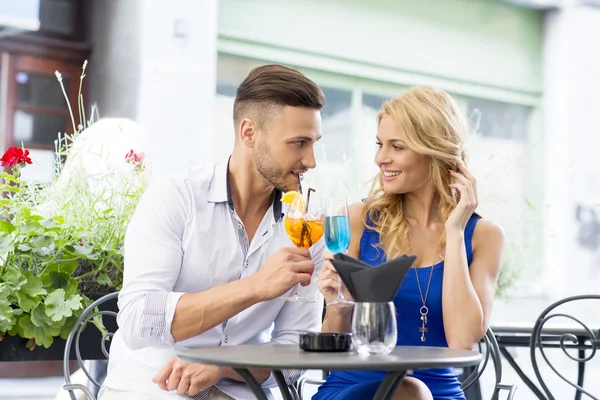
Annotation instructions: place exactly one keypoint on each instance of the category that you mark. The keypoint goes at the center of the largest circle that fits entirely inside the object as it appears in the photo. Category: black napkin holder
(372, 284)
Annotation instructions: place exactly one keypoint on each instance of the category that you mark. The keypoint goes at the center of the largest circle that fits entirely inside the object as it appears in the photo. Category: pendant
(424, 311)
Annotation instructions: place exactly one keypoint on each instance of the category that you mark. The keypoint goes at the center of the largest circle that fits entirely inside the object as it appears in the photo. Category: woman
(423, 203)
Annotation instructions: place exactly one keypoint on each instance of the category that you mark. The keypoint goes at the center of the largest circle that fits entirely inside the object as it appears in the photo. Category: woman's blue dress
(442, 382)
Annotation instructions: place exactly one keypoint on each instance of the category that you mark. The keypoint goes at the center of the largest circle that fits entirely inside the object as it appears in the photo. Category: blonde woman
(423, 203)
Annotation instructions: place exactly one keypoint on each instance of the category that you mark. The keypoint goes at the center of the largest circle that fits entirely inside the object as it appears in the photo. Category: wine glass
(304, 224)
(337, 237)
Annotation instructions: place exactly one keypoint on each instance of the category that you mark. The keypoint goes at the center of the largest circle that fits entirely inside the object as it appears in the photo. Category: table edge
(449, 362)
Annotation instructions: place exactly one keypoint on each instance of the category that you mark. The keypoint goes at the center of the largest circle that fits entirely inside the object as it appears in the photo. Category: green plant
(62, 240)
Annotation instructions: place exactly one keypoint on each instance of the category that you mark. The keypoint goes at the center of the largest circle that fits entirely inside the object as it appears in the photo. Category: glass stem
(340, 293)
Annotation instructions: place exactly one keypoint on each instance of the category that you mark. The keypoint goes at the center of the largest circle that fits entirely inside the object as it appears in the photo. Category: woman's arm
(339, 319)
(468, 292)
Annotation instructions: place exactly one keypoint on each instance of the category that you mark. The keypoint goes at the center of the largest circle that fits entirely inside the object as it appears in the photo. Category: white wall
(154, 62)
(572, 84)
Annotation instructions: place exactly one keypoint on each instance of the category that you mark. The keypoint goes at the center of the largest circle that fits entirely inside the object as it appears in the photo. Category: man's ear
(247, 132)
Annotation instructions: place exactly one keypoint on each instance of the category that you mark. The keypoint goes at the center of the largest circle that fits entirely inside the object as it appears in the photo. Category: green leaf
(68, 266)
(40, 241)
(29, 293)
(85, 252)
(14, 277)
(51, 225)
(39, 317)
(26, 213)
(103, 279)
(34, 285)
(65, 330)
(6, 227)
(4, 290)
(31, 226)
(71, 288)
(16, 330)
(27, 302)
(10, 188)
(6, 242)
(9, 178)
(58, 308)
(24, 247)
(97, 320)
(43, 335)
(7, 318)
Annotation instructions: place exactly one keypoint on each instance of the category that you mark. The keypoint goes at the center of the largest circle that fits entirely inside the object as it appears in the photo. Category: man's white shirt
(185, 237)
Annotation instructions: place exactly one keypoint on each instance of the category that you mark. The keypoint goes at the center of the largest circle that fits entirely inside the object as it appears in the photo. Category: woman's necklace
(424, 310)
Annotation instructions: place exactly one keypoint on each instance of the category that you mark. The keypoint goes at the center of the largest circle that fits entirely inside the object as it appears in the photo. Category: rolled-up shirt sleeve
(153, 257)
(299, 316)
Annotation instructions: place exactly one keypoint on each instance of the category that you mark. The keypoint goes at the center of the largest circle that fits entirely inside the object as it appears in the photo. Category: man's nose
(309, 160)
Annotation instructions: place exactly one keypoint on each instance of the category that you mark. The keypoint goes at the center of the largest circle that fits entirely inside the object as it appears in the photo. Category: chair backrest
(488, 346)
(585, 340)
(84, 320)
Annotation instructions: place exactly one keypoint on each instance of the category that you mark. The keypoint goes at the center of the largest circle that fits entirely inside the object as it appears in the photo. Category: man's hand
(284, 269)
(187, 377)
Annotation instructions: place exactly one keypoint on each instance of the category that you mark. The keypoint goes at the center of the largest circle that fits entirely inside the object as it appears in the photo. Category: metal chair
(488, 346)
(73, 340)
(585, 340)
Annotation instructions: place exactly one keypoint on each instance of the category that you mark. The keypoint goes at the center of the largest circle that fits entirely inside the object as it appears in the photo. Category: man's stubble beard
(268, 168)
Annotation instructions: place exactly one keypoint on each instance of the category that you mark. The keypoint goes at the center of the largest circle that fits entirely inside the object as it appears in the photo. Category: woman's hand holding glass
(329, 282)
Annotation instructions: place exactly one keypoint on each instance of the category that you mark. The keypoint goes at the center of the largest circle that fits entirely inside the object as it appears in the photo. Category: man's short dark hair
(270, 86)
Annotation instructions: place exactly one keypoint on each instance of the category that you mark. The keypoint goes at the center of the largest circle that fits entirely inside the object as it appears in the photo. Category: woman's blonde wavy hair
(434, 126)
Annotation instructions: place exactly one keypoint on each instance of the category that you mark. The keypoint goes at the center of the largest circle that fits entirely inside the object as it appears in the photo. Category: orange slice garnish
(295, 198)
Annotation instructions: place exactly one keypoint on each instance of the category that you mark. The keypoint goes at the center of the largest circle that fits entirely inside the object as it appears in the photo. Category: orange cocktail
(304, 232)
(304, 224)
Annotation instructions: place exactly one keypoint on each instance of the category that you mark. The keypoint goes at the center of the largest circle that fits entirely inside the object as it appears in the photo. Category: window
(498, 119)
(38, 111)
(35, 109)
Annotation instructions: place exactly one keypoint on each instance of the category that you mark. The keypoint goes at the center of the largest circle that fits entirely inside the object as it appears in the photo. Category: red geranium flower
(15, 156)
(137, 159)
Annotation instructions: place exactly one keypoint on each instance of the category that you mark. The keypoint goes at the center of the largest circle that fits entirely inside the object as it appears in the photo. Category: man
(207, 256)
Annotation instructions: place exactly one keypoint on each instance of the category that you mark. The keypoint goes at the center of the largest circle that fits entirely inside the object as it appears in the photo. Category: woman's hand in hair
(466, 184)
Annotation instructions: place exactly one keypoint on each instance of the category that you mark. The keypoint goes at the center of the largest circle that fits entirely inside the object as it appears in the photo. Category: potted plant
(61, 243)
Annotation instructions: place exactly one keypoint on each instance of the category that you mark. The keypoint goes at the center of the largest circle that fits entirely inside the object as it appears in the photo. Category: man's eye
(300, 143)
(379, 144)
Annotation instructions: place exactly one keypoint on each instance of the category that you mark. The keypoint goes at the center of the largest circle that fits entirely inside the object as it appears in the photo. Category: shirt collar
(220, 190)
